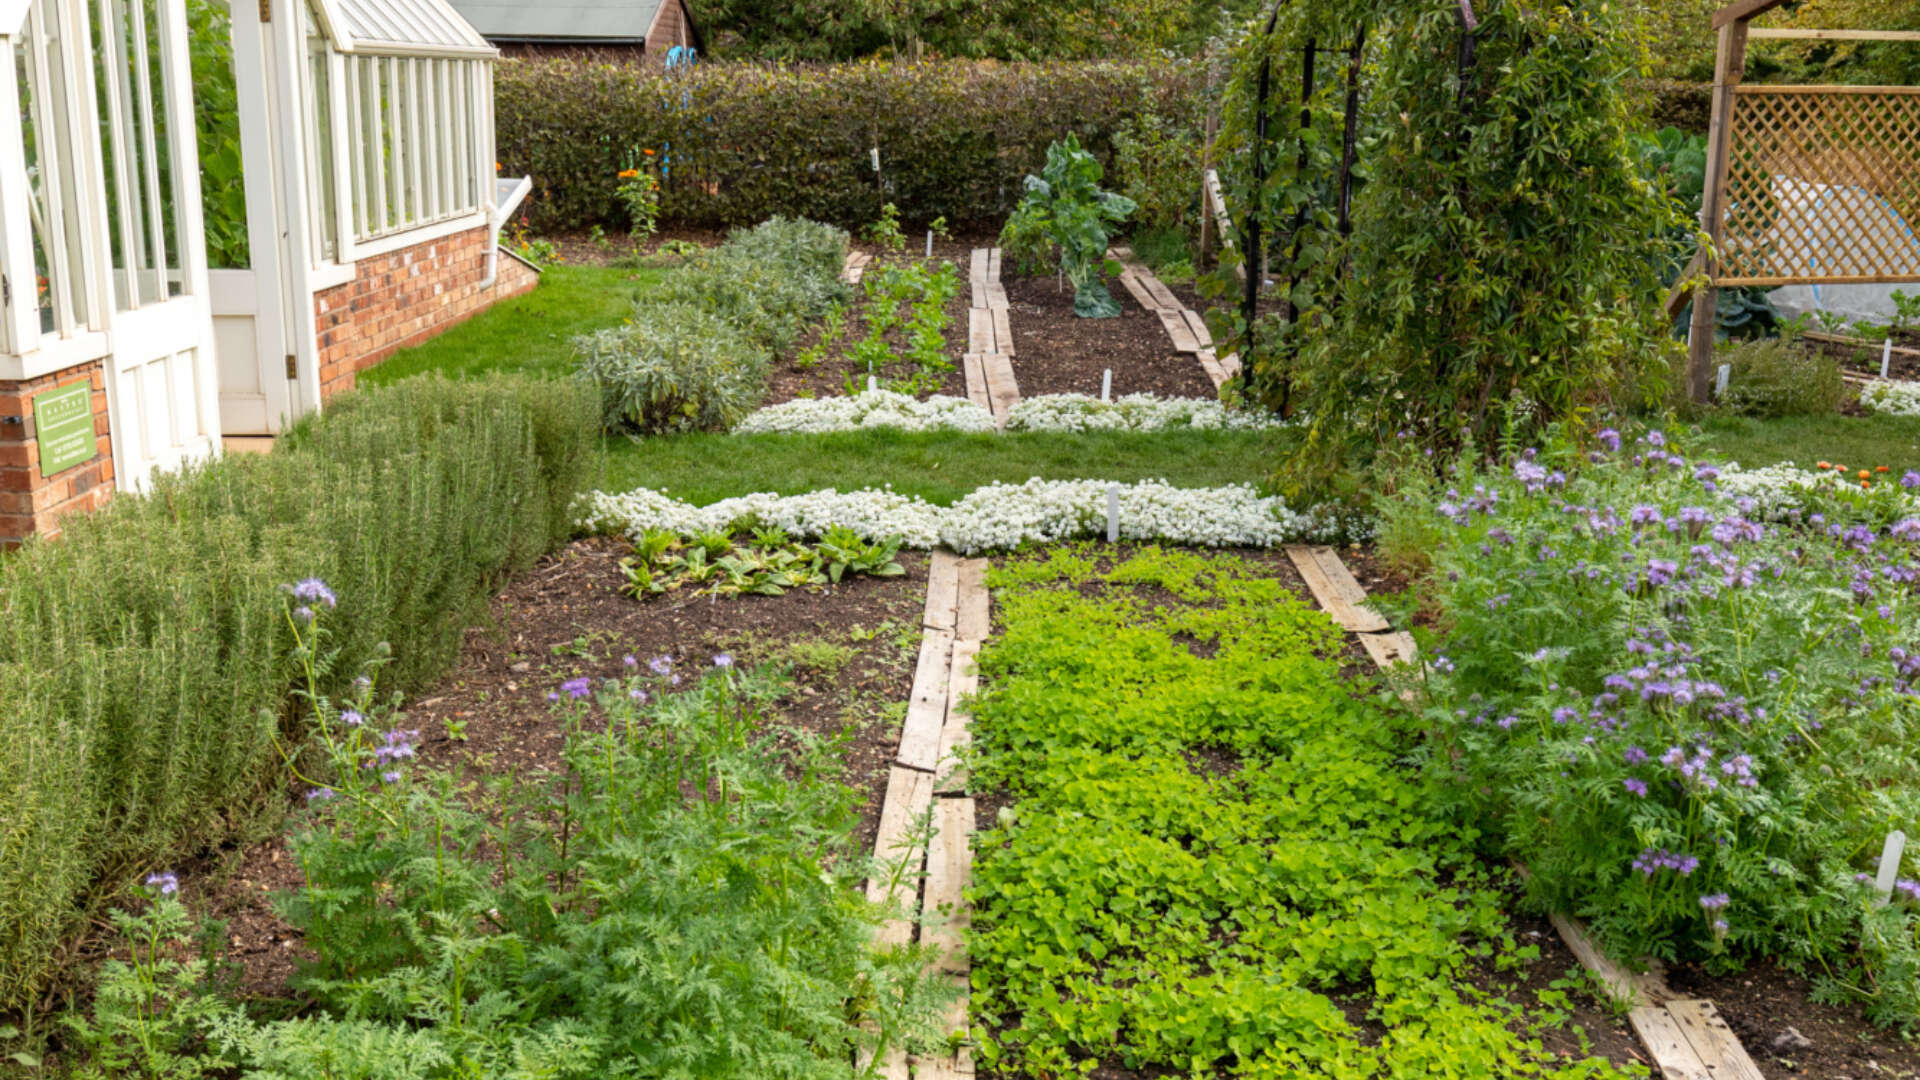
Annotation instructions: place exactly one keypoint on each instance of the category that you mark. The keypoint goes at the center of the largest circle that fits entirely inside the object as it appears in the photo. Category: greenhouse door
(160, 380)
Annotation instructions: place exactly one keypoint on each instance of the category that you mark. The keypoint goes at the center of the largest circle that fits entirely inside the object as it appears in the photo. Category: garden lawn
(940, 467)
(532, 333)
(1205, 854)
(1859, 441)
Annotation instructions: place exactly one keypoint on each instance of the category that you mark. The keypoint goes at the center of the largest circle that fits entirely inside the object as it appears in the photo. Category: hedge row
(739, 143)
(1684, 105)
(144, 655)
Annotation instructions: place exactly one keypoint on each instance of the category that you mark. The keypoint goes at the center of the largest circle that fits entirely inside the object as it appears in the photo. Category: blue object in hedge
(682, 56)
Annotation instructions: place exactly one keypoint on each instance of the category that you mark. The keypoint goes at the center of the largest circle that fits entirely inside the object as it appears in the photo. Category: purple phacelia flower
(1635, 785)
(165, 882)
(312, 591)
(577, 688)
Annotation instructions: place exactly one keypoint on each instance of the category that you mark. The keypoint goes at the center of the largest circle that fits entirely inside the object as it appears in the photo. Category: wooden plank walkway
(856, 267)
(1686, 1037)
(925, 839)
(989, 374)
(1185, 326)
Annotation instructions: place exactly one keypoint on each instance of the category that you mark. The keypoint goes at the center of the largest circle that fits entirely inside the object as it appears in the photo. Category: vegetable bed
(1203, 850)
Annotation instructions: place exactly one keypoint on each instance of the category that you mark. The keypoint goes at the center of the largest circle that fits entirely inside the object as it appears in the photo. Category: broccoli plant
(1065, 210)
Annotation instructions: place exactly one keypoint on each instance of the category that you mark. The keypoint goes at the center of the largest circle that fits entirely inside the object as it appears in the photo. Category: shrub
(674, 368)
(1775, 377)
(142, 655)
(1154, 160)
(696, 353)
(739, 142)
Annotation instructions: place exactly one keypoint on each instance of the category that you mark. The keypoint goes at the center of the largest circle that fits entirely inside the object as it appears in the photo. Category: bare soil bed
(1056, 352)
(833, 373)
(851, 650)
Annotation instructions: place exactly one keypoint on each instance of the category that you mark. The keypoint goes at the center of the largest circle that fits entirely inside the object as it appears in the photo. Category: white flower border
(997, 517)
(1892, 398)
(1048, 412)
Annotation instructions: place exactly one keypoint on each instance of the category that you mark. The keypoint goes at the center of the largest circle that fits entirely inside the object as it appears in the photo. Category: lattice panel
(1823, 186)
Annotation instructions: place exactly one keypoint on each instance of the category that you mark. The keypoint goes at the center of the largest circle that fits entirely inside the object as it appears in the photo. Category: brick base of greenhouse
(32, 504)
(405, 297)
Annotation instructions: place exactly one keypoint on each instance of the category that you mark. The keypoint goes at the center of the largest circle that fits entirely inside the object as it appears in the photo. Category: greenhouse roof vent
(428, 28)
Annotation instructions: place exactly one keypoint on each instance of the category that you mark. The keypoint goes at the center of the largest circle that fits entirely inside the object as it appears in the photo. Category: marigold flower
(1865, 475)
(649, 153)
(629, 174)
(1824, 465)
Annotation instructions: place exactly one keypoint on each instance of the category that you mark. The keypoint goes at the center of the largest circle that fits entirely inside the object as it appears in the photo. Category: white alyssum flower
(1134, 412)
(875, 408)
(993, 518)
(1776, 491)
(1893, 398)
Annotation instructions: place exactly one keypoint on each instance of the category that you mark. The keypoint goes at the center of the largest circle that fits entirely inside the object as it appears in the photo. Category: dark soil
(1592, 1029)
(1056, 352)
(851, 649)
(830, 375)
(1788, 1035)
(1865, 359)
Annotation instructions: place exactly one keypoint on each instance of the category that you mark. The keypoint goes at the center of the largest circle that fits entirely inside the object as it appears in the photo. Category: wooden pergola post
(1730, 62)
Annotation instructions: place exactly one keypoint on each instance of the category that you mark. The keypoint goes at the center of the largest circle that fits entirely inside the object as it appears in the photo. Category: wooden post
(1203, 256)
(1730, 61)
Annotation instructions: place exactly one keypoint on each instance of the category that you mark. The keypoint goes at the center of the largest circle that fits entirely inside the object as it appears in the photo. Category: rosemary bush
(142, 654)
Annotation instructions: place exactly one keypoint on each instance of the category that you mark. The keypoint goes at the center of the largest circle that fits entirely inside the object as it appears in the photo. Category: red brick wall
(32, 504)
(405, 297)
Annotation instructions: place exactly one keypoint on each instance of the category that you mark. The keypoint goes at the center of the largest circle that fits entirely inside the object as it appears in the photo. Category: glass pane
(320, 149)
(40, 289)
(129, 167)
(153, 63)
(216, 106)
(60, 285)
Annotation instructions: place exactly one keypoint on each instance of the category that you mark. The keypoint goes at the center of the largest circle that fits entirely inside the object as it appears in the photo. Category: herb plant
(1065, 210)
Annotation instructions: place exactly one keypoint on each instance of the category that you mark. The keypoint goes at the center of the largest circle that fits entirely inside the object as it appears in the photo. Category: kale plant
(1065, 209)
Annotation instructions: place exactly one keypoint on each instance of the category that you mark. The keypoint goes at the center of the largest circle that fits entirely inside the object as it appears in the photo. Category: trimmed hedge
(739, 142)
(1684, 105)
(144, 655)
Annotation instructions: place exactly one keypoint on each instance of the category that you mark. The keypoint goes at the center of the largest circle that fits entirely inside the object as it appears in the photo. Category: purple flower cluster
(313, 591)
(395, 746)
(166, 883)
(1715, 901)
(577, 688)
(1653, 860)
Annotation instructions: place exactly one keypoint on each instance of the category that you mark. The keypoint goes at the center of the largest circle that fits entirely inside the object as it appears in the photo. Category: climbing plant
(1452, 214)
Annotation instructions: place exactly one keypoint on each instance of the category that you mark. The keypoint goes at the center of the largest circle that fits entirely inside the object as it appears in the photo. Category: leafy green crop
(1065, 208)
(1216, 858)
(768, 566)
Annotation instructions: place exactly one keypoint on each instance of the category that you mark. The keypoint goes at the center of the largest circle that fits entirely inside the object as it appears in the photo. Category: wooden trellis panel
(1823, 186)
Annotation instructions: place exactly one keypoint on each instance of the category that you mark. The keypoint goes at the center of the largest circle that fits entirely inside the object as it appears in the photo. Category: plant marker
(1720, 380)
(1113, 524)
(1890, 864)
(872, 384)
(1886, 355)
(929, 243)
(876, 159)
(1106, 386)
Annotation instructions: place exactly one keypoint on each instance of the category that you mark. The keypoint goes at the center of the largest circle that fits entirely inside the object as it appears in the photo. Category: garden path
(1183, 324)
(990, 381)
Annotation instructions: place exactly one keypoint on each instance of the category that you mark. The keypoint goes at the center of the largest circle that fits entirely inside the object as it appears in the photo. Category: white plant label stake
(1106, 386)
(872, 384)
(876, 159)
(1890, 864)
(1720, 381)
(1113, 521)
(929, 243)
(1886, 356)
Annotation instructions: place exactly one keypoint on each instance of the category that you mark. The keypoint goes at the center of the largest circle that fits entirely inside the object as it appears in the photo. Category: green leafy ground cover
(1214, 844)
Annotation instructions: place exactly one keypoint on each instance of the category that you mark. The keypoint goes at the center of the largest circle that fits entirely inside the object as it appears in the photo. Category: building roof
(400, 27)
(607, 22)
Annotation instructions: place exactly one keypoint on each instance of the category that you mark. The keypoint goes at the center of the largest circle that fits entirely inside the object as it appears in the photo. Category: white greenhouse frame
(366, 128)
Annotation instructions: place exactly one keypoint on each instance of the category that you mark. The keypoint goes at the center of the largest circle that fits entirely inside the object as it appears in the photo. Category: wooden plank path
(988, 369)
(925, 840)
(1184, 326)
(856, 267)
(1686, 1037)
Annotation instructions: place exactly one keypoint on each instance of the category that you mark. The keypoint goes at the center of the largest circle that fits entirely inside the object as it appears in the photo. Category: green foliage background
(143, 655)
(740, 143)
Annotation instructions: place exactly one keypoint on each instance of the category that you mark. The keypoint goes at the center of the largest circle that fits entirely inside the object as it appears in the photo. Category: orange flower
(496, 166)
(1865, 486)
(649, 153)
(1824, 465)
(1879, 468)
(629, 174)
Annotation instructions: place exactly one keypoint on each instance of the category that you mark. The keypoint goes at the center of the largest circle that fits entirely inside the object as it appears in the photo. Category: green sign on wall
(63, 425)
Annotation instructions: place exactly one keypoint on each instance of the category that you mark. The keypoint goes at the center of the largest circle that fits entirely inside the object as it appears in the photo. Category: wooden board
(927, 709)
(995, 293)
(1211, 365)
(1002, 330)
(976, 380)
(943, 591)
(956, 734)
(974, 620)
(980, 330)
(1672, 1053)
(1198, 325)
(909, 796)
(1138, 291)
(1183, 339)
(1230, 364)
(1626, 987)
(1003, 393)
(1162, 296)
(943, 910)
(977, 266)
(955, 1023)
(1713, 1040)
(979, 291)
(1334, 597)
(1388, 649)
(993, 264)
